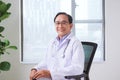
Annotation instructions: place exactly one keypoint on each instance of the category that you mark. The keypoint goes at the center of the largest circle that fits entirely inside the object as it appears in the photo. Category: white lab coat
(66, 58)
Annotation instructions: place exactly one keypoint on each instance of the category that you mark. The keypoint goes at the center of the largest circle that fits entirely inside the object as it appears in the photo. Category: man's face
(62, 24)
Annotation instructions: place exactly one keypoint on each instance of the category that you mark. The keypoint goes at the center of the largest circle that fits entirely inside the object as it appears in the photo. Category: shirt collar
(67, 36)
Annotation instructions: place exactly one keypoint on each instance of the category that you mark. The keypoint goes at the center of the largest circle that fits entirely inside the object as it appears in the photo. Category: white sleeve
(41, 65)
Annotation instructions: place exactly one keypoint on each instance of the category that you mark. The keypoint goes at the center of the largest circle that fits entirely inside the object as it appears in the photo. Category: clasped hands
(39, 74)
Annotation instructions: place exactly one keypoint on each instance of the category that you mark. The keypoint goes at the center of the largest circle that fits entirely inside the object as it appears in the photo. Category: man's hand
(33, 71)
(40, 74)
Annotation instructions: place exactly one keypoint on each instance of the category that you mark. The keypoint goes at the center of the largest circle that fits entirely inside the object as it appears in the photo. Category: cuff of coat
(33, 69)
(56, 75)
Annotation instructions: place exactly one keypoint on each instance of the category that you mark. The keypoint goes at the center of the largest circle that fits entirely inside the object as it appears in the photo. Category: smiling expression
(62, 25)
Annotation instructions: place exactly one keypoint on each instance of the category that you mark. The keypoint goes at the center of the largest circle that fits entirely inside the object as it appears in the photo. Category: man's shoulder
(51, 41)
(74, 38)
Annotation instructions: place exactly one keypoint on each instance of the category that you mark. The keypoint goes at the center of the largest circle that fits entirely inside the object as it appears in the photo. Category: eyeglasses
(62, 23)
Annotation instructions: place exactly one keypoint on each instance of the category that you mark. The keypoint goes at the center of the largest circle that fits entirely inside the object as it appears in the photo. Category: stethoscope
(63, 54)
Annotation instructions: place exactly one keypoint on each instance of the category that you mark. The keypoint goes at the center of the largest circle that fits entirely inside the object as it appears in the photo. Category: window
(38, 25)
(89, 23)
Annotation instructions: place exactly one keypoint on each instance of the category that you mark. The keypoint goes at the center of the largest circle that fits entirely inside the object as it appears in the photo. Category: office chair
(89, 50)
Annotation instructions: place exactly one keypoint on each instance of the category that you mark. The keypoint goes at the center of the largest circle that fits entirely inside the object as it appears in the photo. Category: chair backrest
(89, 50)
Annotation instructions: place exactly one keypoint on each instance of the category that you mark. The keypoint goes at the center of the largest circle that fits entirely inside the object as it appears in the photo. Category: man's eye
(57, 23)
(64, 22)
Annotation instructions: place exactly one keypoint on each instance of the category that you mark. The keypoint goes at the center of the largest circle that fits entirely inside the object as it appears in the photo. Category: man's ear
(71, 25)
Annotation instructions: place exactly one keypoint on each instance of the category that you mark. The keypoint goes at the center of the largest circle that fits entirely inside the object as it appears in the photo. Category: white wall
(108, 70)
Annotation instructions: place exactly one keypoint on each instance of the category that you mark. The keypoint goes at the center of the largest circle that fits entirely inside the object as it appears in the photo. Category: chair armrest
(76, 76)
